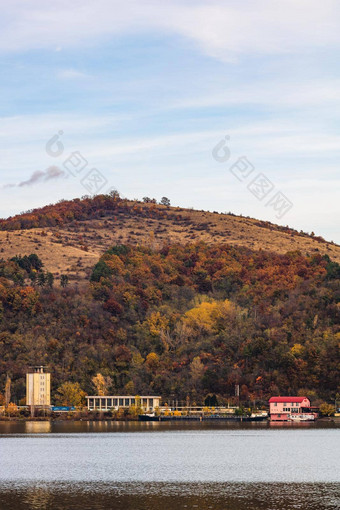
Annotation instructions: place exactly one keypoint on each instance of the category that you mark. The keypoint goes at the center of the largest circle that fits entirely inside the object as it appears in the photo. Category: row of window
(119, 402)
(285, 404)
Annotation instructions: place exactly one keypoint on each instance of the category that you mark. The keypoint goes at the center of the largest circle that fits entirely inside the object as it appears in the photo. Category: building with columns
(105, 403)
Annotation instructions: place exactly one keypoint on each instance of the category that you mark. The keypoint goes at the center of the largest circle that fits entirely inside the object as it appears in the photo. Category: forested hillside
(180, 321)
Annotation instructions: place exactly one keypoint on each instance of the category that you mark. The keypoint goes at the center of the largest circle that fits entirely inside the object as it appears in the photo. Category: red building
(290, 409)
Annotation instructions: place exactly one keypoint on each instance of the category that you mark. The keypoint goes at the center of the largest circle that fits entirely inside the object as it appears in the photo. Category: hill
(70, 236)
(182, 321)
(163, 304)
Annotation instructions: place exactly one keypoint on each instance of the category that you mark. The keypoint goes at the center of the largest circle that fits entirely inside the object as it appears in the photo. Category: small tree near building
(70, 394)
(327, 409)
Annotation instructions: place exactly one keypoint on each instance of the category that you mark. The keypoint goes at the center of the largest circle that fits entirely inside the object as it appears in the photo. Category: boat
(148, 417)
(301, 417)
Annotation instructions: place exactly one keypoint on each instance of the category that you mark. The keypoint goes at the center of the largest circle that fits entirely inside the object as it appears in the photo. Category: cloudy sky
(137, 95)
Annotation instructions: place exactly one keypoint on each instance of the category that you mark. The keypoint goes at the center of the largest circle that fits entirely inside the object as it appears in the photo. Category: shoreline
(15, 419)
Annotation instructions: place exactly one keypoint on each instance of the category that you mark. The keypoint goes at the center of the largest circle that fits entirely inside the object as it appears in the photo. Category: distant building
(99, 403)
(290, 408)
(38, 387)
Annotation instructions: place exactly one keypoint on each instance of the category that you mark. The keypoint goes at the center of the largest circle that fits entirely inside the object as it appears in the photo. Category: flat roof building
(105, 403)
(38, 387)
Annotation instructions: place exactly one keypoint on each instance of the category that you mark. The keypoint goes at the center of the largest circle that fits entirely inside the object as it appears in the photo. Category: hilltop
(71, 236)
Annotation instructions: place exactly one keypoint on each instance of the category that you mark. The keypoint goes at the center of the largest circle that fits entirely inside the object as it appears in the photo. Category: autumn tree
(152, 361)
(196, 370)
(70, 394)
(101, 384)
(327, 409)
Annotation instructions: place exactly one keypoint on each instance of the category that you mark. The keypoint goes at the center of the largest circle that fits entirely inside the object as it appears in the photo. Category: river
(140, 466)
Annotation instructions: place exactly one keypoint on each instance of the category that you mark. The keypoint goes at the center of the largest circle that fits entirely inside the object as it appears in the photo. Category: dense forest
(184, 321)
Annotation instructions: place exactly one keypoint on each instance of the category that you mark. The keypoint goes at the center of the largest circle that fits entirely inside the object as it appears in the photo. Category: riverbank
(72, 417)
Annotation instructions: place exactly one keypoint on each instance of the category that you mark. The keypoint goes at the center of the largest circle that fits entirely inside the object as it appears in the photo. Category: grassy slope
(75, 247)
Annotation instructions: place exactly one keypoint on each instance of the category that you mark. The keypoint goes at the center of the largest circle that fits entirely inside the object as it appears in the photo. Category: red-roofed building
(290, 408)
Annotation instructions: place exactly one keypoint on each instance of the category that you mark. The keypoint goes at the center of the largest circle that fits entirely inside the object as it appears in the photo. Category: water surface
(159, 465)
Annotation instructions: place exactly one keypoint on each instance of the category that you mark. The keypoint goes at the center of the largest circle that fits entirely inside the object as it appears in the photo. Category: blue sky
(144, 91)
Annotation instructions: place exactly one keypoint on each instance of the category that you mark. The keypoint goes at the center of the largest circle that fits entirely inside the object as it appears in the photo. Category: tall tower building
(38, 387)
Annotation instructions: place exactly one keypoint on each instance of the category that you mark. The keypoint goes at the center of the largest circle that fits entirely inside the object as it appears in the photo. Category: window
(121, 402)
(151, 402)
(115, 402)
(275, 404)
(97, 402)
(127, 402)
(133, 401)
(109, 402)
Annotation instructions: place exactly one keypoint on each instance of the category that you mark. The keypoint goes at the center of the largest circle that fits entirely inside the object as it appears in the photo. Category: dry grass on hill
(74, 248)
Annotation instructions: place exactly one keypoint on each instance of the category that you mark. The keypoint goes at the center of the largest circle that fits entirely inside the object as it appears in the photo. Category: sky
(218, 105)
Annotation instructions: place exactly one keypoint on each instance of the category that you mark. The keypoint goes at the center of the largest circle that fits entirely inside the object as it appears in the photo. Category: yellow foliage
(114, 263)
(152, 360)
(101, 384)
(156, 323)
(12, 408)
(297, 350)
(206, 315)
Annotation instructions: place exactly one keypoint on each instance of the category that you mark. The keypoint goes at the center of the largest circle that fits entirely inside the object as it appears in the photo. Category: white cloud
(280, 93)
(72, 74)
(223, 29)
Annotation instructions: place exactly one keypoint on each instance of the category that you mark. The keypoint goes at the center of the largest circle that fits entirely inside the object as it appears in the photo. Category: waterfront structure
(38, 387)
(105, 403)
(290, 409)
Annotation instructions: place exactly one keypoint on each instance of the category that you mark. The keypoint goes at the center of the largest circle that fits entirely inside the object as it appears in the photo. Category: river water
(140, 466)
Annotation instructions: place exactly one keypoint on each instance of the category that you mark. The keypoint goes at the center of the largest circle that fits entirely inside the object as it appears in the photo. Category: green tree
(41, 279)
(165, 201)
(50, 279)
(63, 280)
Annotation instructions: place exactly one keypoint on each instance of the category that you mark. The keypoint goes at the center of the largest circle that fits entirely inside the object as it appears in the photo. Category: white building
(105, 403)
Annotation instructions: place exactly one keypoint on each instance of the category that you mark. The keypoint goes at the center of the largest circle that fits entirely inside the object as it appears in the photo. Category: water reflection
(37, 497)
(38, 427)
(76, 427)
(133, 496)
